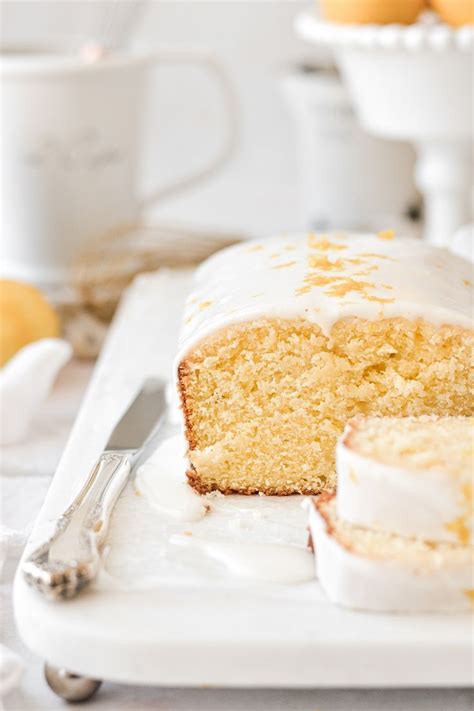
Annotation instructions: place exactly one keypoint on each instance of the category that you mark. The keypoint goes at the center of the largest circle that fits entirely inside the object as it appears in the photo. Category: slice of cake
(285, 340)
(413, 476)
(371, 570)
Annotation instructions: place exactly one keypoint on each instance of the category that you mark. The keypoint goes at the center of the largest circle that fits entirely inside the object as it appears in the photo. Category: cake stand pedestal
(413, 83)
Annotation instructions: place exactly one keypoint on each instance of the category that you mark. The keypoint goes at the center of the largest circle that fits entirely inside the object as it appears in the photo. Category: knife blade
(69, 560)
(138, 423)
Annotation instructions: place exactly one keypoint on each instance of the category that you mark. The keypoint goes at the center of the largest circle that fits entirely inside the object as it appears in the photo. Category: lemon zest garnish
(348, 285)
(459, 529)
(316, 261)
(379, 299)
(386, 234)
(470, 594)
(377, 255)
(323, 243)
(284, 266)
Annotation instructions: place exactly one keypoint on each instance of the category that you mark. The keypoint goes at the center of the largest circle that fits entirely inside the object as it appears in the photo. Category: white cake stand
(413, 83)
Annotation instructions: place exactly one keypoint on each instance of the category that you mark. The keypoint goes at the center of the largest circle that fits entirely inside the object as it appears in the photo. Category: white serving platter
(163, 626)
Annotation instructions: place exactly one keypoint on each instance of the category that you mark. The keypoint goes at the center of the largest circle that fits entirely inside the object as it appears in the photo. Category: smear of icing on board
(162, 480)
(260, 561)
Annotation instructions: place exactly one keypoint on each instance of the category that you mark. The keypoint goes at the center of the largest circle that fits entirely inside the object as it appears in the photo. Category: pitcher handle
(176, 55)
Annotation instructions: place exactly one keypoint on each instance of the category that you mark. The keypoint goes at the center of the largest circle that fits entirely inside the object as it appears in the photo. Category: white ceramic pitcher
(70, 135)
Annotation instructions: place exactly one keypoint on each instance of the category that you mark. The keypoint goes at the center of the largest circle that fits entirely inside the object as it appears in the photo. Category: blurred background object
(25, 317)
(349, 179)
(25, 383)
(463, 242)
(372, 11)
(414, 84)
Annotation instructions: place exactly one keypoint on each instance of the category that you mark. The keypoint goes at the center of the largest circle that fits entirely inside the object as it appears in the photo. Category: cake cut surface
(381, 571)
(285, 340)
(424, 443)
(421, 554)
(413, 476)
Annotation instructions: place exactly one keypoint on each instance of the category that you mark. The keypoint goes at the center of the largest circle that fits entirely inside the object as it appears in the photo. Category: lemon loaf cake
(371, 570)
(413, 476)
(285, 340)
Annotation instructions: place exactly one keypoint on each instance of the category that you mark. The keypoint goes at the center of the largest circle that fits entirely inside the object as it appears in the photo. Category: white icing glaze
(174, 413)
(256, 561)
(162, 480)
(431, 504)
(385, 585)
(325, 278)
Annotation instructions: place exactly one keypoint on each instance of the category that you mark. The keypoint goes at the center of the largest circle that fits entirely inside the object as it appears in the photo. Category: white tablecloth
(25, 473)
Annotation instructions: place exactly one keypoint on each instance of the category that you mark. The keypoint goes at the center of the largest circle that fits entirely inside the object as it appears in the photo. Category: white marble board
(166, 617)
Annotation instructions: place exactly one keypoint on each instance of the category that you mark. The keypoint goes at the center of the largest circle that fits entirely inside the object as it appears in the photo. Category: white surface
(402, 578)
(219, 634)
(434, 504)
(11, 669)
(162, 480)
(331, 143)
(463, 242)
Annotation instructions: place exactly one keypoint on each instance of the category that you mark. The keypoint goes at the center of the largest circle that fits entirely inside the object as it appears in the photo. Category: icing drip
(264, 562)
(162, 480)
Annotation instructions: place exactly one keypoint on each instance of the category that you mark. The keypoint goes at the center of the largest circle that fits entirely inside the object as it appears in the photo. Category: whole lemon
(25, 316)
(455, 12)
(377, 12)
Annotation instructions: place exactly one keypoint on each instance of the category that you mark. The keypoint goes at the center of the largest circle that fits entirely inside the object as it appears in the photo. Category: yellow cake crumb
(265, 400)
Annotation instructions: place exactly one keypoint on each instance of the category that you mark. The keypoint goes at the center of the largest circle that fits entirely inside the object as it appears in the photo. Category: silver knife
(70, 559)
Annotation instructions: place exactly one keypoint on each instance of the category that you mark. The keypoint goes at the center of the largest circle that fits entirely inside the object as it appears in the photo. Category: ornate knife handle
(70, 559)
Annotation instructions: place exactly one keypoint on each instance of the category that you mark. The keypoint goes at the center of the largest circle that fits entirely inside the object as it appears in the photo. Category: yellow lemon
(455, 12)
(25, 316)
(377, 12)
